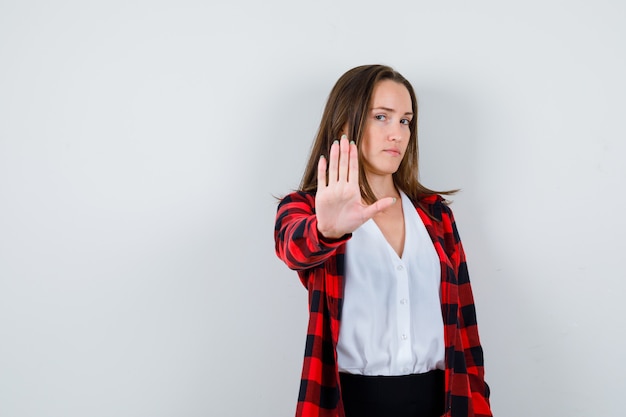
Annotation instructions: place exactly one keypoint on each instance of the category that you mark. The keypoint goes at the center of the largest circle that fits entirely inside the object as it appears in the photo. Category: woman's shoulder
(297, 197)
(430, 199)
(434, 204)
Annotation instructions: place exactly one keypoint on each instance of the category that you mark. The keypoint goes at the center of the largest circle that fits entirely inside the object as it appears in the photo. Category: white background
(142, 142)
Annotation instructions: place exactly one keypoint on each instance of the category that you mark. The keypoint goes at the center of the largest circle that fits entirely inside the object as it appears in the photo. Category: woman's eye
(380, 117)
(405, 121)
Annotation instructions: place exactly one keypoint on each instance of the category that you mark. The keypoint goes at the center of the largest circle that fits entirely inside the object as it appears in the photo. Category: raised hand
(338, 204)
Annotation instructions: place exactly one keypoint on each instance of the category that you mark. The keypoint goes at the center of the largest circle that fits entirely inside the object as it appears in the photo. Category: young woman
(392, 326)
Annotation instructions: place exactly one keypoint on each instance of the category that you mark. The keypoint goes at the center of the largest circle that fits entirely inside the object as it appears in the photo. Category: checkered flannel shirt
(320, 266)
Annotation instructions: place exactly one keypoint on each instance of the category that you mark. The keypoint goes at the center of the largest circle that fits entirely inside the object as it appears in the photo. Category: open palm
(338, 204)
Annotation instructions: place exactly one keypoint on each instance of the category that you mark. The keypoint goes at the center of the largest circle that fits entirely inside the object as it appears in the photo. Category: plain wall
(142, 144)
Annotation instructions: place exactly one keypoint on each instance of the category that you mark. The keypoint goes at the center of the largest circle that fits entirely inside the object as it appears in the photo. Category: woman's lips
(392, 152)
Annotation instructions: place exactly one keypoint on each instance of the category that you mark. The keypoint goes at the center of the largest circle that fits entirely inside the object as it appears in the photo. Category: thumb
(380, 205)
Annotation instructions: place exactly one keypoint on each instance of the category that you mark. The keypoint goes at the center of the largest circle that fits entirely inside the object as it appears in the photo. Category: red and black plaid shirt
(320, 265)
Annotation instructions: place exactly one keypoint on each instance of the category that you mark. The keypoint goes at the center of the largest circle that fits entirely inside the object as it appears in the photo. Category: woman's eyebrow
(391, 110)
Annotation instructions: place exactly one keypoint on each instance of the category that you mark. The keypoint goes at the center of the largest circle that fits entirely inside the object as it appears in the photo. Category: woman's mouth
(392, 152)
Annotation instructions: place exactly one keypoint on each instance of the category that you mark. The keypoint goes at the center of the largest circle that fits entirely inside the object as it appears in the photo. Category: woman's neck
(382, 186)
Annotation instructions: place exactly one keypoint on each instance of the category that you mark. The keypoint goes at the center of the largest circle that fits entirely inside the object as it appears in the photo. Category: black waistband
(406, 395)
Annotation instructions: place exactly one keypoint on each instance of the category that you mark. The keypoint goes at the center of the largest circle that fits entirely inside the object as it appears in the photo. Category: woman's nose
(396, 133)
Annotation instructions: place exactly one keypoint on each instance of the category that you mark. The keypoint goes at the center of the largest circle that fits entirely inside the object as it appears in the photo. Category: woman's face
(387, 132)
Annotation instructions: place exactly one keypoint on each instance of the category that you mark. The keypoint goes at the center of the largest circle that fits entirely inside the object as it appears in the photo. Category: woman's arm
(309, 228)
(469, 331)
(298, 242)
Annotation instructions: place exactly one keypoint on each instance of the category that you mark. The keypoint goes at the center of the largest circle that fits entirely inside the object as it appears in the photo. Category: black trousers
(418, 395)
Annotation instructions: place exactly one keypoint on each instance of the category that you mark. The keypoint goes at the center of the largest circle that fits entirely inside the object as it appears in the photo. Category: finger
(353, 173)
(333, 163)
(344, 152)
(321, 173)
(377, 207)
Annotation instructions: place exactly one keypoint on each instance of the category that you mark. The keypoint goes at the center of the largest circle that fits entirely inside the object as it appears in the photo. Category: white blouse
(391, 322)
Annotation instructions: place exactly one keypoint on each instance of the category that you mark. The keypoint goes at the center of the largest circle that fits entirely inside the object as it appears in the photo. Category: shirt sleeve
(469, 331)
(298, 243)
